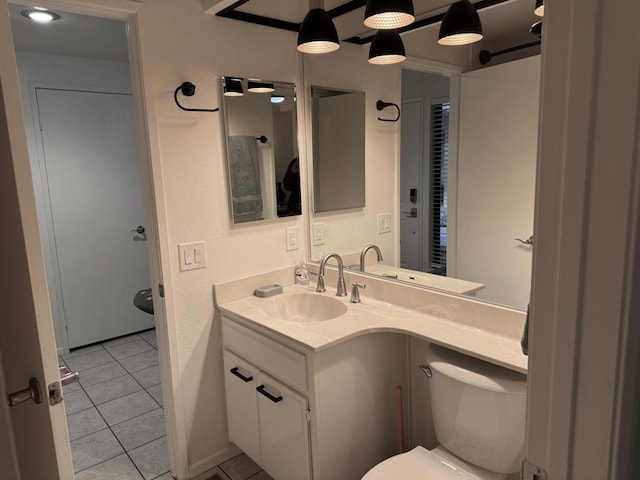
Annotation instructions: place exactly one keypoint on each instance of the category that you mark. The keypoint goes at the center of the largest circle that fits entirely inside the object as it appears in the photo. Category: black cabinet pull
(262, 390)
(235, 371)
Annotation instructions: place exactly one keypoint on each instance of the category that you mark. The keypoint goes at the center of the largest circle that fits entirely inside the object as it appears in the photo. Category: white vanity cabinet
(267, 419)
(321, 415)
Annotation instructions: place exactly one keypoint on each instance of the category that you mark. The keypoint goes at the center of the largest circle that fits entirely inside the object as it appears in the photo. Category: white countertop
(448, 284)
(373, 316)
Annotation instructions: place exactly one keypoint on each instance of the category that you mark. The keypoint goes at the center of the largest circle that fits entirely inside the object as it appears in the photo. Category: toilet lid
(417, 464)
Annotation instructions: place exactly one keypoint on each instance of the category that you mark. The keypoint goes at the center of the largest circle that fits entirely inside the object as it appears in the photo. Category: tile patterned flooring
(116, 418)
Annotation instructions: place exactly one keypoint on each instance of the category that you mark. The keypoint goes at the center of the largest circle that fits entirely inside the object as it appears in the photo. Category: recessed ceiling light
(40, 15)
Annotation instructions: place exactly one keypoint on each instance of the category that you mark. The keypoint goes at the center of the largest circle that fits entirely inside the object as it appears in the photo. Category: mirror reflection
(467, 175)
(338, 125)
(262, 149)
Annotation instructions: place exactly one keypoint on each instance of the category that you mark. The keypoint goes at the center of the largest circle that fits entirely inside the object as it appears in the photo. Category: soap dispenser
(302, 274)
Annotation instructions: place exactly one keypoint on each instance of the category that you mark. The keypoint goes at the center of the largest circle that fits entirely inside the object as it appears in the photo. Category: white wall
(36, 69)
(496, 178)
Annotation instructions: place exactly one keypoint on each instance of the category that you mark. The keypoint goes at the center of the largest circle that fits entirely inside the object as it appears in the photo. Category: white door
(411, 158)
(95, 196)
(27, 347)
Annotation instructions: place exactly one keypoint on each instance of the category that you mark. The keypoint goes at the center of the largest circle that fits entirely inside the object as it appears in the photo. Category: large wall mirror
(459, 214)
(262, 149)
(338, 125)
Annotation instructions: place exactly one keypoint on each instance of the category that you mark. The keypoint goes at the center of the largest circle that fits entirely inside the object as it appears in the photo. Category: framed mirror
(338, 129)
(261, 125)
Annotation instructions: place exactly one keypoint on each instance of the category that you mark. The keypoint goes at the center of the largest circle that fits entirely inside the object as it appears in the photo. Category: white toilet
(478, 411)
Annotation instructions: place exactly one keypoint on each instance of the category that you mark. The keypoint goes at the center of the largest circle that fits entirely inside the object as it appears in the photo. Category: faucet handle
(355, 293)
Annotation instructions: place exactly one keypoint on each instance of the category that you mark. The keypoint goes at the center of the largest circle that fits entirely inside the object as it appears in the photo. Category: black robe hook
(188, 89)
(380, 105)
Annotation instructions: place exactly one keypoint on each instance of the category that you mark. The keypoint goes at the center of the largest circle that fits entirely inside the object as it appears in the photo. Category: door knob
(412, 213)
(139, 229)
(32, 392)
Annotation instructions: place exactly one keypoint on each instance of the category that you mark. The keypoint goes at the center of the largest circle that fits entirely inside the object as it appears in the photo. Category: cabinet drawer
(279, 361)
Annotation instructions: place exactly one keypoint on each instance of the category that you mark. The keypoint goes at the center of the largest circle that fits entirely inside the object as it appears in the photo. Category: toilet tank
(478, 409)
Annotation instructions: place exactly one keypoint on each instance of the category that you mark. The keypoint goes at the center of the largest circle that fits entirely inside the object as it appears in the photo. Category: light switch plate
(292, 238)
(317, 232)
(384, 223)
(192, 255)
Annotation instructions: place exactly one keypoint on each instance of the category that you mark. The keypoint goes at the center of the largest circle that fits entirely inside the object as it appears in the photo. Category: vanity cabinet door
(284, 430)
(242, 409)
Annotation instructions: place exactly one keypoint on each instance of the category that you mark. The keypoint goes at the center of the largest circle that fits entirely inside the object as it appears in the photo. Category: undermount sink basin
(303, 307)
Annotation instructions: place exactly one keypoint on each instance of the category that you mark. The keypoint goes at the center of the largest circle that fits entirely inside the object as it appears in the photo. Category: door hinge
(532, 472)
(308, 415)
(161, 290)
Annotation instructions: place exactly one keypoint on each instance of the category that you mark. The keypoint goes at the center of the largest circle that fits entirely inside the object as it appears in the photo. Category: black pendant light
(256, 86)
(460, 25)
(386, 48)
(387, 14)
(317, 32)
(233, 87)
(539, 11)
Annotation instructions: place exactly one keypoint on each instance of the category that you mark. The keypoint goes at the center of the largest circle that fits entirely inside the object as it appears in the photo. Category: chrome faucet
(341, 288)
(364, 252)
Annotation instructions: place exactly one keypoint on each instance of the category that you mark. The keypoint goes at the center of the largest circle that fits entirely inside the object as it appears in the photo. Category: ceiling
(72, 35)
(500, 18)
(505, 25)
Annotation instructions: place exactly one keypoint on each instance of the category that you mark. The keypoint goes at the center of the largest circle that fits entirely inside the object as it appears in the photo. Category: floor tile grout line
(116, 436)
(109, 427)
(96, 464)
(110, 380)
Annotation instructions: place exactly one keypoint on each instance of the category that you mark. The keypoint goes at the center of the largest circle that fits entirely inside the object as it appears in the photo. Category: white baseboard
(203, 468)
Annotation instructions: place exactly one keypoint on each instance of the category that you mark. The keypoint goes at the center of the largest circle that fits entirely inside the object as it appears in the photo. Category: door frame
(158, 247)
(454, 72)
(584, 369)
(423, 193)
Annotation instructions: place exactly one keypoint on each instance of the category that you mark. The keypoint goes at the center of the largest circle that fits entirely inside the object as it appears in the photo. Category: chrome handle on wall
(528, 241)
(412, 213)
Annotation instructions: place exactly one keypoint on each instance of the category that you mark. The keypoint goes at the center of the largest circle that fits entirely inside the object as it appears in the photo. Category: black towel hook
(380, 105)
(188, 89)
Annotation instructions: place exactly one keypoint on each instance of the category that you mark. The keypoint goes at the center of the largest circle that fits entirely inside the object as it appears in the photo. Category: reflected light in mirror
(232, 87)
(256, 86)
(539, 11)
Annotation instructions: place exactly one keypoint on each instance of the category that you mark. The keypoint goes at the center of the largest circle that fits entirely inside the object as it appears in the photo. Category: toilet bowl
(478, 411)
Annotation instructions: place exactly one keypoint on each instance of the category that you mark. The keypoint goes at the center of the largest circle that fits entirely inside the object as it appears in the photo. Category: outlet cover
(292, 238)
